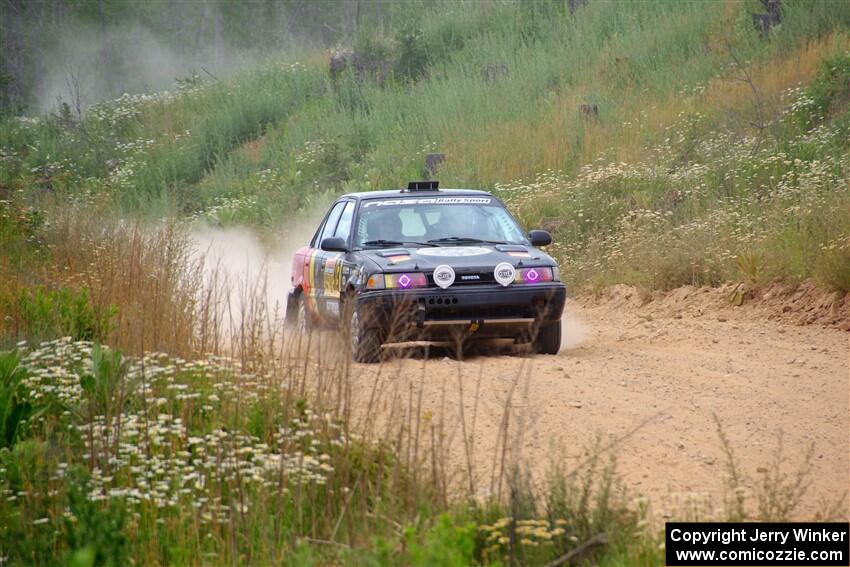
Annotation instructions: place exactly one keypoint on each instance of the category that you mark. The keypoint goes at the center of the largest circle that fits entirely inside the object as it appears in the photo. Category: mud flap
(290, 317)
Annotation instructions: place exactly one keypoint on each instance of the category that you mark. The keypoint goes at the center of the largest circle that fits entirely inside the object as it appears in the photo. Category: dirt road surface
(649, 379)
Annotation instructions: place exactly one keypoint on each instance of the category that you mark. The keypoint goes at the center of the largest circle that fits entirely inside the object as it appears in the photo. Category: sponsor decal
(333, 275)
(444, 276)
(332, 308)
(453, 252)
(430, 201)
(519, 254)
(311, 280)
(504, 274)
(398, 258)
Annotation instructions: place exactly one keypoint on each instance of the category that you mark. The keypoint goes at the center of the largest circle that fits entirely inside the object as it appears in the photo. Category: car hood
(458, 257)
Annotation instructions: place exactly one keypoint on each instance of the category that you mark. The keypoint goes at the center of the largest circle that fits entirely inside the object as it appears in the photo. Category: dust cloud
(253, 270)
(573, 330)
(247, 269)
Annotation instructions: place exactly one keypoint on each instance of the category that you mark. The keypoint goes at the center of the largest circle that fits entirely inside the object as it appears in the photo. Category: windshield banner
(430, 201)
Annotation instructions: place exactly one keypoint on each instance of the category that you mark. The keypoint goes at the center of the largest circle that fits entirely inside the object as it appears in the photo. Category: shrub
(832, 267)
(446, 543)
(46, 313)
(94, 533)
(15, 407)
(413, 57)
(828, 94)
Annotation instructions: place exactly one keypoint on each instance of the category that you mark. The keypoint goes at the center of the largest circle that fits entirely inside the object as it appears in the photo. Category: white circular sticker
(504, 274)
(453, 251)
(444, 276)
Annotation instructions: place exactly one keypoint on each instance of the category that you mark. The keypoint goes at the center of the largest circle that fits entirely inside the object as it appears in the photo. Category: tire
(364, 341)
(548, 339)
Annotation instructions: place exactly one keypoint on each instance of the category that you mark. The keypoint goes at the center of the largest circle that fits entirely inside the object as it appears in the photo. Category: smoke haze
(86, 52)
(92, 65)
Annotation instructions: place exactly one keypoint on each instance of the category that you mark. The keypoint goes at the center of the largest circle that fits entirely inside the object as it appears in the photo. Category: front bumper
(487, 311)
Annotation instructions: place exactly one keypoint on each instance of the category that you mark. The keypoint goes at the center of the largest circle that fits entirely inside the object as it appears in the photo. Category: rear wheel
(548, 339)
(365, 340)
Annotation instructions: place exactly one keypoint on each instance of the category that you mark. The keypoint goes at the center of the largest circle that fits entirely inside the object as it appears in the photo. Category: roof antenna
(423, 186)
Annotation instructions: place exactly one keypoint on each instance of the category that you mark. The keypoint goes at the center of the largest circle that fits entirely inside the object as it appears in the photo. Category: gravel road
(647, 381)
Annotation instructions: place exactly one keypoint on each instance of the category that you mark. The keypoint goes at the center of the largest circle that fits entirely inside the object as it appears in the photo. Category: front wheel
(548, 339)
(365, 341)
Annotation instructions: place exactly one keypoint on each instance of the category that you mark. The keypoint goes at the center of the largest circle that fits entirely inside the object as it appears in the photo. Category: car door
(336, 265)
(327, 269)
(313, 270)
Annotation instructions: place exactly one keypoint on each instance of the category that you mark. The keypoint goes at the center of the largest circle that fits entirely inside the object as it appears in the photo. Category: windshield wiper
(382, 242)
(385, 242)
(466, 239)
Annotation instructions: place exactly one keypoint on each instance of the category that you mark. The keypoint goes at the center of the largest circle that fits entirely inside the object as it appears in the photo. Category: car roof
(405, 193)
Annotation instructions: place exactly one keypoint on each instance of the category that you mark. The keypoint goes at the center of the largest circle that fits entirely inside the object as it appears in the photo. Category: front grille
(473, 312)
(448, 306)
(472, 278)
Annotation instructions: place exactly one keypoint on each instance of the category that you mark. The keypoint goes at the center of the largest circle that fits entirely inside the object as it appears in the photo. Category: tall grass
(711, 206)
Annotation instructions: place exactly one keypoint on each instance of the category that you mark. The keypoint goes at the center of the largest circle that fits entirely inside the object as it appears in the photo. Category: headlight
(405, 281)
(534, 275)
(397, 281)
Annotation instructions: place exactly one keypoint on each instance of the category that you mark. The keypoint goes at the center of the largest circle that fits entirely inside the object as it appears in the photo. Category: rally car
(425, 263)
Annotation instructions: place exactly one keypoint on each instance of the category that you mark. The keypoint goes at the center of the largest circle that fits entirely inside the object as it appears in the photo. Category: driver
(451, 223)
(386, 226)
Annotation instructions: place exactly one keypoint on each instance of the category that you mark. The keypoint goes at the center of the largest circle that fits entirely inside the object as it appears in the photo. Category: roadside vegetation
(662, 143)
(698, 141)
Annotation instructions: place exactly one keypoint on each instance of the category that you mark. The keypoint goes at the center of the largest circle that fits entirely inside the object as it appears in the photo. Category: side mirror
(334, 244)
(539, 238)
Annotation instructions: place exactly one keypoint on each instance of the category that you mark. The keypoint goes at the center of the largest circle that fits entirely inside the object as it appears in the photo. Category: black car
(424, 263)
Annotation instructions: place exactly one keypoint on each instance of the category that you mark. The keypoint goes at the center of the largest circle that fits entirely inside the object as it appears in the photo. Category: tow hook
(420, 317)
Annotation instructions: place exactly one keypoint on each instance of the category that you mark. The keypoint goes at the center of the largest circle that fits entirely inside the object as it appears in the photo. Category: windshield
(453, 221)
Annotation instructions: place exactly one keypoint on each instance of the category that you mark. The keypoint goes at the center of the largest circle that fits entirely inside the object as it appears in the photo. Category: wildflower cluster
(159, 440)
(129, 107)
(528, 533)
(228, 210)
(311, 153)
